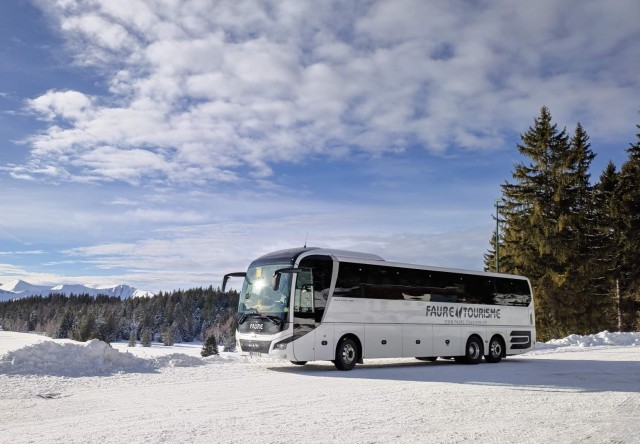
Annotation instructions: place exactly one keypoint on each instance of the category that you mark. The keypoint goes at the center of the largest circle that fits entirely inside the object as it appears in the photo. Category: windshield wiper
(275, 319)
(246, 315)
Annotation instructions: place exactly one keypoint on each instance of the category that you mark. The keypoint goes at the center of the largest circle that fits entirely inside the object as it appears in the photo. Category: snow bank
(84, 359)
(71, 359)
(604, 338)
(38, 355)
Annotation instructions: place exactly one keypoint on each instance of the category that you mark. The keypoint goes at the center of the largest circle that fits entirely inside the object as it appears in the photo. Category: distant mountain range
(21, 289)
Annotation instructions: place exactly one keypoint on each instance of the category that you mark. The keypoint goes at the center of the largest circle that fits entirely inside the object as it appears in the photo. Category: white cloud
(209, 90)
(27, 252)
(68, 105)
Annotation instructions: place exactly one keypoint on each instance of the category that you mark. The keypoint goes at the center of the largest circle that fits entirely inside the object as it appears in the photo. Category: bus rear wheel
(473, 351)
(496, 350)
(346, 354)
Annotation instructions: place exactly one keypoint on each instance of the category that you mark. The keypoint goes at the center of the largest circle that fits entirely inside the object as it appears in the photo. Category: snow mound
(604, 338)
(75, 359)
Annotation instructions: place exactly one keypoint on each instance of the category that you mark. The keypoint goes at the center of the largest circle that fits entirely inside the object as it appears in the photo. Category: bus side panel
(520, 340)
(382, 341)
(325, 349)
(417, 340)
(303, 347)
(447, 340)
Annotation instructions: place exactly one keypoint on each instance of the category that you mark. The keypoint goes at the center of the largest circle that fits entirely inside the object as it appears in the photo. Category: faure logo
(256, 326)
(452, 312)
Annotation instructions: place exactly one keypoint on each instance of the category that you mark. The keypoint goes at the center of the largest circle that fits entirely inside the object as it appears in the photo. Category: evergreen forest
(177, 316)
(577, 240)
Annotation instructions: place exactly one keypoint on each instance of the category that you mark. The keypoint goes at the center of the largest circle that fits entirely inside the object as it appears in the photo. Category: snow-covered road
(561, 393)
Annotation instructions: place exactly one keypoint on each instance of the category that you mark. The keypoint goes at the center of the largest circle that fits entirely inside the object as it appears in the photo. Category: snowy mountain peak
(19, 286)
(20, 289)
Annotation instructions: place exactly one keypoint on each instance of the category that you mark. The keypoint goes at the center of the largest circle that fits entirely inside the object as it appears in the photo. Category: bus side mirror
(275, 283)
(230, 275)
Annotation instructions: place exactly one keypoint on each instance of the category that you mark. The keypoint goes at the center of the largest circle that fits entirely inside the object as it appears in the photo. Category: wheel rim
(348, 353)
(473, 350)
(496, 349)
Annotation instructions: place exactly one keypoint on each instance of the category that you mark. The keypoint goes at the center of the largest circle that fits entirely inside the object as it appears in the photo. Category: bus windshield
(258, 296)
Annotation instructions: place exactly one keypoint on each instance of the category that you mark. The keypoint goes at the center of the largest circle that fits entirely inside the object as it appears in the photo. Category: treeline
(177, 316)
(577, 241)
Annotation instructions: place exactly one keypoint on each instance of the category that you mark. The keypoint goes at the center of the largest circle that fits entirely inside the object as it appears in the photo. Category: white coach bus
(310, 304)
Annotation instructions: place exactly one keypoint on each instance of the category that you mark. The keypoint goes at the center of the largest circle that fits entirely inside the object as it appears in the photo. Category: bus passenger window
(303, 298)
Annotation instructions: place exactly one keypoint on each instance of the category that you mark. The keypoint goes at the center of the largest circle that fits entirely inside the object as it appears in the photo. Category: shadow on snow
(538, 374)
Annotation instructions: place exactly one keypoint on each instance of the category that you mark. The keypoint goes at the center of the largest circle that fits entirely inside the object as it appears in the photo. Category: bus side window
(306, 299)
(303, 302)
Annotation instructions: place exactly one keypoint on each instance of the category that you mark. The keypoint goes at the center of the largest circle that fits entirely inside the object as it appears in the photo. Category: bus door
(304, 317)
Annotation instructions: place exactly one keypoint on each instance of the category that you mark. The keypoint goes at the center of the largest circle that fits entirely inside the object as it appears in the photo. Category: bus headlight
(281, 346)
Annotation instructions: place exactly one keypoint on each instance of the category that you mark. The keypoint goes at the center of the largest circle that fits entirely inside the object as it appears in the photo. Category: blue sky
(162, 144)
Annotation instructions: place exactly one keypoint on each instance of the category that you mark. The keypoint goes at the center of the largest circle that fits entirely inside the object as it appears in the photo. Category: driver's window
(303, 302)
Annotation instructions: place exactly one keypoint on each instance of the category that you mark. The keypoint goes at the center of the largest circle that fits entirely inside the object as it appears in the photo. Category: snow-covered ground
(577, 389)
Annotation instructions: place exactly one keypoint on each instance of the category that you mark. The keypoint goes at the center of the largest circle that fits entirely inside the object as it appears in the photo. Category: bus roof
(290, 256)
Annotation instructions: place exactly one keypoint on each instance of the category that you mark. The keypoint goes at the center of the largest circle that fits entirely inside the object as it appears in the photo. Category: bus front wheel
(346, 354)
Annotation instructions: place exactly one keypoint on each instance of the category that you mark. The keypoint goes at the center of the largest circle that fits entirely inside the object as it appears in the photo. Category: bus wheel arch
(348, 352)
(496, 350)
(473, 350)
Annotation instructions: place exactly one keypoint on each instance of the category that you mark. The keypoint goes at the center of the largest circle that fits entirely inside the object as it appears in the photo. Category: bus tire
(496, 350)
(298, 362)
(429, 359)
(346, 354)
(473, 350)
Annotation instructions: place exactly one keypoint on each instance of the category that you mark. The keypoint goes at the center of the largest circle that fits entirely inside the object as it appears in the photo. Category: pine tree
(65, 325)
(490, 255)
(167, 336)
(606, 244)
(586, 281)
(545, 211)
(210, 347)
(85, 328)
(132, 339)
(145, 339)
(628, 200)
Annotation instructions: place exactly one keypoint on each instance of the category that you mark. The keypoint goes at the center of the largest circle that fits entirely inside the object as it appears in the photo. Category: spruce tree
(586, 281)
(210, 347)
(490, 255)
(167, 336)
(606, 243)
(628, 200)
(132, 339)
(145, 339)
(545, 210)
